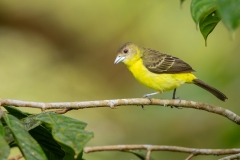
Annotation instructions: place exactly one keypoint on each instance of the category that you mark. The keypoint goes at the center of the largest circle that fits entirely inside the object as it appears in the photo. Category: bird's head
(128, 53)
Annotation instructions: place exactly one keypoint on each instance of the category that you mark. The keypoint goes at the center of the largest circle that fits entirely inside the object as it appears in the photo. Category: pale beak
(119, 59)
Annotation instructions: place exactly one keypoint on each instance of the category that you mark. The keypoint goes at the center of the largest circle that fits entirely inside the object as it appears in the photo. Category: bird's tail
(210, 89)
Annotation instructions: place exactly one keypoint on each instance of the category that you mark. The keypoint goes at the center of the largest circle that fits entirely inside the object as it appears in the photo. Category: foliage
(42, 136)
(207, 14)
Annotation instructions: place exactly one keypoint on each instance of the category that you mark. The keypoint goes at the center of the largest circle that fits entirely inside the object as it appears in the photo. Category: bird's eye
(125, 51)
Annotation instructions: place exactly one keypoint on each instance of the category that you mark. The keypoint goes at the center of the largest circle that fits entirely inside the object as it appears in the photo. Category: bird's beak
(119, 59)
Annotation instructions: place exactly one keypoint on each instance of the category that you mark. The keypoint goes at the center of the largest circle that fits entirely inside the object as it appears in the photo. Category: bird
(158, 71)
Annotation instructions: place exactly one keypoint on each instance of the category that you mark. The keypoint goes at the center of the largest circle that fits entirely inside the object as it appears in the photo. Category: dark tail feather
(210, 89)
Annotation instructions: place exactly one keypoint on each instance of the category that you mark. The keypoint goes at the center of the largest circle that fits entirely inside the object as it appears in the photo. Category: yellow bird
(158, 71)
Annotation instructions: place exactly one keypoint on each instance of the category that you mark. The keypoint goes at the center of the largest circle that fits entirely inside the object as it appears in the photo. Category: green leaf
(28, 146)
(67, 131)
(139, 153)
(208, 23)
(229, 11)
(8, 135)
(49, 145)
(30, 122)
(16, 112)
(4, 147)
(2, 131)
(201, 8)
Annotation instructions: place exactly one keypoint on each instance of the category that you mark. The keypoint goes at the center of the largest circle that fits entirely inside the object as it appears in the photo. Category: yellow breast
(159, 82)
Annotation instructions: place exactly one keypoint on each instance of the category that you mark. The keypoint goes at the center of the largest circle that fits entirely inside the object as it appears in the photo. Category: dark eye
(125, 51)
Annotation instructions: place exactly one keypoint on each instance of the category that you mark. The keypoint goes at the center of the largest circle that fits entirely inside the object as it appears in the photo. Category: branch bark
(235, 156)
(66, 106)
(16, 157)
(193, 151)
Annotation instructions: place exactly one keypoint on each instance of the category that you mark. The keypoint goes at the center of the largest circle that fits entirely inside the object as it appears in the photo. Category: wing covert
(158, 62)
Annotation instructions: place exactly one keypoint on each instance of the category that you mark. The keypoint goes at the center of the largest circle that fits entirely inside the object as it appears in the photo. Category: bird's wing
(158, 62)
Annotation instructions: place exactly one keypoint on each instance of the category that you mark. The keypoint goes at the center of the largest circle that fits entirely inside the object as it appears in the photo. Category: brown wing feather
(158, 62)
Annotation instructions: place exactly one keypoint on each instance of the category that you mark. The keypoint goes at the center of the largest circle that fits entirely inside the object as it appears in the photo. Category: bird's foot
(148, 97)
(173, 97)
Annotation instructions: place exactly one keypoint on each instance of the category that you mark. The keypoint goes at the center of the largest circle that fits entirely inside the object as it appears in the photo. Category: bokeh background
(52, 51)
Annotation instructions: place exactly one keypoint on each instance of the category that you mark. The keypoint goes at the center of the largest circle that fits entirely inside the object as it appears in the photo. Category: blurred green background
(54, 51)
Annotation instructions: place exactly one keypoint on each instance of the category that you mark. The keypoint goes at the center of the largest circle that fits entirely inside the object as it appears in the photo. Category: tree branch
(120, 102)
(193, 151)
(16, 157)
(235, 156)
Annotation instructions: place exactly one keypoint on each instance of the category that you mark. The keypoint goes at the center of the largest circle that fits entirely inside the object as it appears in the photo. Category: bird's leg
(148, 96)
(173, 97)
(174, 93)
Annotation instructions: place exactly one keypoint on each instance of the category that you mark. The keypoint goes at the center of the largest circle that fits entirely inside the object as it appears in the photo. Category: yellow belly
(159, 82)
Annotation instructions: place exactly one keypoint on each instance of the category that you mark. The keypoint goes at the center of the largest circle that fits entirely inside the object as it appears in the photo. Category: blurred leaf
(45, 139)
(201, 8)
(4, 147)
(181, 2)
(229, 11)
(139, 153)
(28, 146)
(208, 23)
(68, 131)
(16, 112)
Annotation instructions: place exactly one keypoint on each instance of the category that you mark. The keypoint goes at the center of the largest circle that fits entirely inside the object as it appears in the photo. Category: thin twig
(190, 156)
(148, 154)
(63, 111)
(195, 151)
(235, 156)
(121, 102)
(16, 157)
